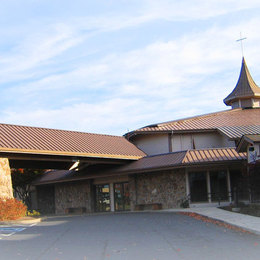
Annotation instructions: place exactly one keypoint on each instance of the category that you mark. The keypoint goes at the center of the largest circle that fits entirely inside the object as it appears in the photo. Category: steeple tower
(246, 93)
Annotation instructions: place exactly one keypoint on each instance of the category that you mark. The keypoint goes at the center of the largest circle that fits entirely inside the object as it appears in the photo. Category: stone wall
(6, 189)
(167, 188)
(72, 195)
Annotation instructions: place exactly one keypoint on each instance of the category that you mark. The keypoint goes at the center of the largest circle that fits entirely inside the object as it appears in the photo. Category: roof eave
(63, 153)
(228, 101)
(148, 170)
(185, 131)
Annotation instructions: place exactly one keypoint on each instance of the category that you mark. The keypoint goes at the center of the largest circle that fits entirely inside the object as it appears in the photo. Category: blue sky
(113, 66)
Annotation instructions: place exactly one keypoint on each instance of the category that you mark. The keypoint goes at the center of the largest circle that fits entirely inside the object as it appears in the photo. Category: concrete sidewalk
(23, 221)
(246, 222)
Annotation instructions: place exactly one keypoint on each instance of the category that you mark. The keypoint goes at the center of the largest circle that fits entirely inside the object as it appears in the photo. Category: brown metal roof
(212, 155)
(235, 132)
(184, 158)
(245, 87)
(155, 161)
(232, 117)
(150, 164)
(35, 140)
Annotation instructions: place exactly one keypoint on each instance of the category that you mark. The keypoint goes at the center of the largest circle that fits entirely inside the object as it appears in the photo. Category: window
(102, 194)
(122, 201)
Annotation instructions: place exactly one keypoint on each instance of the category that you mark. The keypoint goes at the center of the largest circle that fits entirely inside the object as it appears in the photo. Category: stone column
(187, 184)
(6, 189)
(132, 192)
(112, 197)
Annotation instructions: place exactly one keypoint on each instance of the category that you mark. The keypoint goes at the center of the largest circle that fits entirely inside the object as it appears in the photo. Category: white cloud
(193, 10)
(166, 79)
(37, 49)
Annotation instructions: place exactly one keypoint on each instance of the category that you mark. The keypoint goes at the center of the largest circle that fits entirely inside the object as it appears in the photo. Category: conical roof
(245, 88)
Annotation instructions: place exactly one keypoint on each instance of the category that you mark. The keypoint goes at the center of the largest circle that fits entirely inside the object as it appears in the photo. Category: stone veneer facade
(72, 195)
(167, 188)
(6, 189)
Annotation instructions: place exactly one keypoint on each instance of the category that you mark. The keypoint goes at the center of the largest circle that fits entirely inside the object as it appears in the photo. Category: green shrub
(184, 203)
(33, 213)
(11, 209)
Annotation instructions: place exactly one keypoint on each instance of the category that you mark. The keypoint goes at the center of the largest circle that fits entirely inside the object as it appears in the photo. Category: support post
(229, 186)
(6, 189)
(208, 186)
(112, 197)
(187, 185)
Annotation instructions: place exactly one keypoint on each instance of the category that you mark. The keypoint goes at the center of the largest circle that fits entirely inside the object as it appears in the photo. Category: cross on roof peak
(241, 39)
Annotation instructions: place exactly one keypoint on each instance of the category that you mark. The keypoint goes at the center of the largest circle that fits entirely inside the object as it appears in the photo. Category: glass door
(121, 193)
(102, 199)
(198, 187)
(218, 185)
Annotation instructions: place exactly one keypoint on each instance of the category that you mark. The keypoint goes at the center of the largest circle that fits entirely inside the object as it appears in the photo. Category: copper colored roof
(184, 158)
(213, 155)
(245, 87)
(150, 164)
(155, 162)
(235, 132)
(35, 140)
(232, 117)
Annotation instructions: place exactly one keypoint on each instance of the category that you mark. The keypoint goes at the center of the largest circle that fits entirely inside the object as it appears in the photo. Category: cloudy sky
(109, 66)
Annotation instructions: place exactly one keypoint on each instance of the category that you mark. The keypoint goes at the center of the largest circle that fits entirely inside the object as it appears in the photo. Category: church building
(186, 162)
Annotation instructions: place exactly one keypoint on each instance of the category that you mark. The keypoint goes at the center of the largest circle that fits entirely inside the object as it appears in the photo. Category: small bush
(184, 203)
(11, 209)
(33, 213)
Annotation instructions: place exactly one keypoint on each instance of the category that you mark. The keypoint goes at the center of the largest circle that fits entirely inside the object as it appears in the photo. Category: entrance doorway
(209, 186)
(121, 196)
(102, 197)
(218, 185)
(198, 187)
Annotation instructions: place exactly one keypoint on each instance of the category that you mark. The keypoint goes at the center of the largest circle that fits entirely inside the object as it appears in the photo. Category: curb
(241, 227)
(250, 230)
(24, 220)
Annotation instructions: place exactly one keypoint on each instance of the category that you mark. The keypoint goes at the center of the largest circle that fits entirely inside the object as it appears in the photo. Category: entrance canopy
(37, 147)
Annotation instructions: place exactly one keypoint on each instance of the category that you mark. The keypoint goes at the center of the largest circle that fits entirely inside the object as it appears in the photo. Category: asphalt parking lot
(126, 236)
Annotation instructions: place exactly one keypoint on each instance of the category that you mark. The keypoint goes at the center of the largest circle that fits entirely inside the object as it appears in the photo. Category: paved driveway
(129, 236)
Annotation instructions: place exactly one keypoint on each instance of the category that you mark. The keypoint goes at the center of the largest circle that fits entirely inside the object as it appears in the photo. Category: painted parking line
(7, 231)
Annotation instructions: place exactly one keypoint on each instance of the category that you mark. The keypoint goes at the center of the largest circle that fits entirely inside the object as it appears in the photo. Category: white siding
(153, 144)
(181, 142)
(158, 143)
(199, 141)
(256, 102)
(257, 150)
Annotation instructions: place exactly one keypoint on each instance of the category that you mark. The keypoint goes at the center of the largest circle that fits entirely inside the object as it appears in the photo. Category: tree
(22, 181)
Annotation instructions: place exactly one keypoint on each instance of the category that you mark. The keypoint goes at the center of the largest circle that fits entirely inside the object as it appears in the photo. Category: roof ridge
(198, 116)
